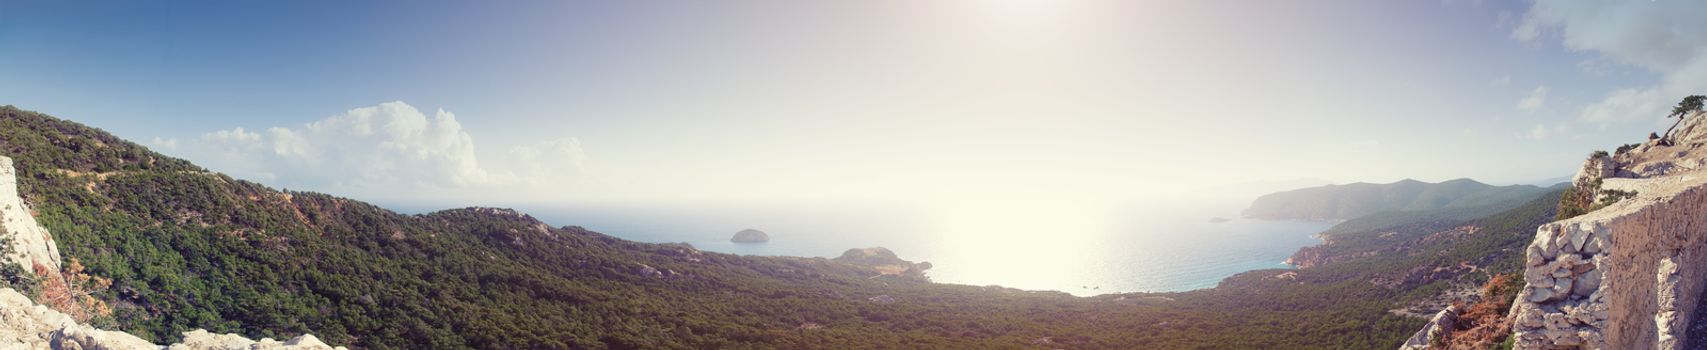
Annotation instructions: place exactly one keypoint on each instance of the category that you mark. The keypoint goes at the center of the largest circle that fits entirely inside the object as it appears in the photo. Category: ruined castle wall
(1624, 277)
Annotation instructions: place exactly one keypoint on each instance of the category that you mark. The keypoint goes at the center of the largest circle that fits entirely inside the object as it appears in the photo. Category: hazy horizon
(985, 109)
(1072, 174)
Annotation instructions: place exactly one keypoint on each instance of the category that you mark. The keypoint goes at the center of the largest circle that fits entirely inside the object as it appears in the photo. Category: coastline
(1186, 255)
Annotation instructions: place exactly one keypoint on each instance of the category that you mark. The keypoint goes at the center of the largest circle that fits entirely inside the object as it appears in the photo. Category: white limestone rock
(1533, 257)
(1538, 295)
(86, 337)
(1440, 326)
(1562, 288)
(1538, 277)
(1544, 243)
(1587, 283)
(33, 244)
(1594, 168)
(25, 325)
(1578, 238)
(202, 339)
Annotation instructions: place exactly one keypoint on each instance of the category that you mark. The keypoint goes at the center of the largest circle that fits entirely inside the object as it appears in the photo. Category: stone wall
(1627, 276)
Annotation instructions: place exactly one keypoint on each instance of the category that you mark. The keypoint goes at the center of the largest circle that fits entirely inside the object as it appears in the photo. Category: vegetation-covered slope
(1361, 199)
(188, 249)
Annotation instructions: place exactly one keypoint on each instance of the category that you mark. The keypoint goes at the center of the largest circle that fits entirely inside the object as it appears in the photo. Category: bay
(1056, 247)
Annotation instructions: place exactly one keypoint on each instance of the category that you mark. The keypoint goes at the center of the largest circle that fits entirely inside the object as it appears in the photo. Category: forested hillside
(1338, 202)
(185, 248)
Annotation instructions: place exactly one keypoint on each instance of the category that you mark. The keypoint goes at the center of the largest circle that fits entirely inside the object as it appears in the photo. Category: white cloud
(1502, 81)
(1539, 132)
(166, 144)
(1619, 104)
(380, 149)
(1664, 37)
(233, 135)
(1598, 66)
(1542, 132)
(1534, 100)
(541, 161)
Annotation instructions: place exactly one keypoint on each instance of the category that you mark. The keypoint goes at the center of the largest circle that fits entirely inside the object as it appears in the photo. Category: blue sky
(637, 101)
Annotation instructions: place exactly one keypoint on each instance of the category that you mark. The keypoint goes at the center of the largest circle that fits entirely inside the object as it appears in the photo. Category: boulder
(648, 271)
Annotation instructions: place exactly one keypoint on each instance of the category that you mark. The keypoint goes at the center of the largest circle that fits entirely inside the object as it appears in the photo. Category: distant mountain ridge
(1339, 202)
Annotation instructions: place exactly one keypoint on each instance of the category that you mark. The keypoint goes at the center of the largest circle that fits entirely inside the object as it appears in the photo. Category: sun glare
(1021, 242)
(1021, 11)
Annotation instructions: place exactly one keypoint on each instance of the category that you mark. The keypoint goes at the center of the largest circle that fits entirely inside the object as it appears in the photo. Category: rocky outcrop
(1330, 251)
(871, 256)
(750, 236)
(1318, 255)
(1629, 273)
(884, 262)
(1308, 257)
(34, 248)
(25, 325)
(1436, 331)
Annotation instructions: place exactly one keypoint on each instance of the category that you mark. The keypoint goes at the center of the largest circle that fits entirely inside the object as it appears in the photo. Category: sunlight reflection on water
(1078, 248)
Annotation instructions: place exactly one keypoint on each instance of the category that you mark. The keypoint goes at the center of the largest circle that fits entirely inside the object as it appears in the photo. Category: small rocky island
(1217, 220)
(884, 262)
(750, 236)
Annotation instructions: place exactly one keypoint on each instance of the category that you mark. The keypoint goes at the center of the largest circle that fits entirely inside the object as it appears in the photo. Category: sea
(1074, 249)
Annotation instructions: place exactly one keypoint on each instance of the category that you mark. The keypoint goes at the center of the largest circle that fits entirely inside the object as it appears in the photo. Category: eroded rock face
(1437, 328)
(1597, 167)
(33, 245)
(25, 325)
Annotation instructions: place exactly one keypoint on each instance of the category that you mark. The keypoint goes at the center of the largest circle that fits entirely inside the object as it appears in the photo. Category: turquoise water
(1176, 249)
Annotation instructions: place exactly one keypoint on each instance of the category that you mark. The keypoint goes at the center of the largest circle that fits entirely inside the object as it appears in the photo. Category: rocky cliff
(1629, 272)
(1437, 328)
(33, 247)
(27, 325)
